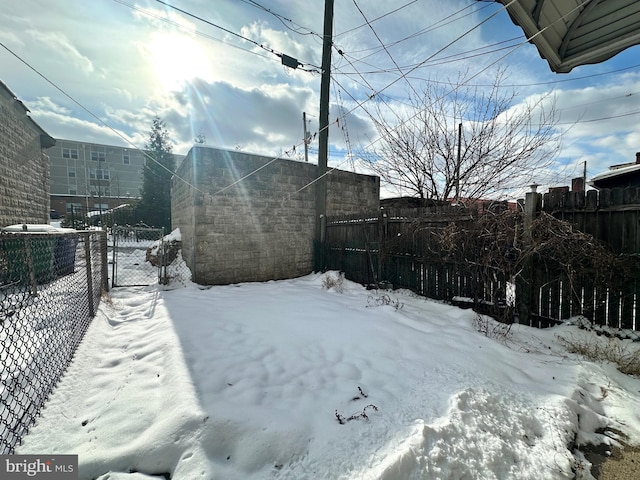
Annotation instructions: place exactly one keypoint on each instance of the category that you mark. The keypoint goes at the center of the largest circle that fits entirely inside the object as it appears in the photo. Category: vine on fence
(495, 244)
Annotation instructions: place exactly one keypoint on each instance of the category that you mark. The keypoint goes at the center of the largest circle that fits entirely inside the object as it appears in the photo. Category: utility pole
(306, 136)
(458, 164)
(323, 139)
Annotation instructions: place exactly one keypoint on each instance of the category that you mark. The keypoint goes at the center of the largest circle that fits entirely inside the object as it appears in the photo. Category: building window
(73, 190)
(99, 174)
(98, 156)
(71, 172)
(125, 159)
(74, 208)
(101, 206)
(69, 153)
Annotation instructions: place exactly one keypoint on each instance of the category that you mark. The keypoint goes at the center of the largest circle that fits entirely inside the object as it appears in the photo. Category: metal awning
(569, 33)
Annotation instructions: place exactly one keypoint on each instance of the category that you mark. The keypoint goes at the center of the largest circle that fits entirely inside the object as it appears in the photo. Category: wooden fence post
(525, 280)
(382, 239)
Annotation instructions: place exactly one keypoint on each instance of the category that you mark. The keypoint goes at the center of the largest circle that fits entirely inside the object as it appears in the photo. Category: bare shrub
(623, 353)
(559, 246)
(384, 299)
(489, 246)
(495, 252)
(330, 281)
(491, 328)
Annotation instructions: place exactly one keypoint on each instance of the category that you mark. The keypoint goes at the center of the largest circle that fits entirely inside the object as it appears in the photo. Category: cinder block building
(247, 217)
(24, 164)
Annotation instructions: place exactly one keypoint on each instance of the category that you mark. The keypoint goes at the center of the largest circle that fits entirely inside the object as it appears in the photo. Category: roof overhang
(602, 180)
(569, 33)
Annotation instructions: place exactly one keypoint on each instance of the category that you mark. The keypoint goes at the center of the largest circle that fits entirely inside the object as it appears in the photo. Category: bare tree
(501, 147)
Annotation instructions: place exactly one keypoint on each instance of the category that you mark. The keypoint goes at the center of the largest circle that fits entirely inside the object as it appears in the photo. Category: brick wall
(260, 228)
(24, 166)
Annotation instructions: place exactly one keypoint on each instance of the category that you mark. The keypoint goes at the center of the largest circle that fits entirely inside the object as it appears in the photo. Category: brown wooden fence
(398, 247)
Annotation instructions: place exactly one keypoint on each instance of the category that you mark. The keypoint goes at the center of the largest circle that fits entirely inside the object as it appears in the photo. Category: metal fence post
(104, 261)
(87, 256)
(28, 255)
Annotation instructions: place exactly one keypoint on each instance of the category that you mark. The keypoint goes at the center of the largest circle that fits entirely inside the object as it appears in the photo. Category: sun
(176, 59)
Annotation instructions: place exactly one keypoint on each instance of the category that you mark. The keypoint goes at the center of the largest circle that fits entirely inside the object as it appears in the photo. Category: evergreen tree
(154, 207)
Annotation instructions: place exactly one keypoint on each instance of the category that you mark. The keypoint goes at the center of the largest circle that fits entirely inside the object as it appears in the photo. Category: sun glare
(176, 59)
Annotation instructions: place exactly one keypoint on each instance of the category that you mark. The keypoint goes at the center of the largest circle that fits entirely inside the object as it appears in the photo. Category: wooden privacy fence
(401, 248)
(408, 249)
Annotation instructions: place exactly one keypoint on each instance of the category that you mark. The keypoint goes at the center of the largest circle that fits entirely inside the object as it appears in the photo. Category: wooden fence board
(400, 246)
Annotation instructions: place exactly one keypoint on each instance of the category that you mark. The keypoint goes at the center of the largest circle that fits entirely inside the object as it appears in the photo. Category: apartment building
(94, 177)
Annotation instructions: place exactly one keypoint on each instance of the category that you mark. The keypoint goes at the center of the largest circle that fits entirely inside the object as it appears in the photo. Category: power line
(611, 117)
(53, 84)
(383, 45)
(570, 107)
(188, 29)
(442, 60)
(126, 140)
(285, 58)
(284, 20)
(440, 23)
(551, 82)
(359, 104)
(504, 7)
(377, 18)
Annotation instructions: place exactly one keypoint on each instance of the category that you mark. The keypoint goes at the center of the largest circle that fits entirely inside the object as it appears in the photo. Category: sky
(314, 377)
(100, 71)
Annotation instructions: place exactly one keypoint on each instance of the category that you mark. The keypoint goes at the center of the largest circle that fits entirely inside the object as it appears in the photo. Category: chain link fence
(134, 256)
(50, 288)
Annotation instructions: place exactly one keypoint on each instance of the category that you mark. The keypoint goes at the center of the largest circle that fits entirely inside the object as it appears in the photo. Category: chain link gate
(135, 256)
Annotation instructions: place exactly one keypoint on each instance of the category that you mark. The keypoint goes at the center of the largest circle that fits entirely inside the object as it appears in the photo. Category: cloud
(60, 44)
(238, 94)
(61, 122)
(45, 104)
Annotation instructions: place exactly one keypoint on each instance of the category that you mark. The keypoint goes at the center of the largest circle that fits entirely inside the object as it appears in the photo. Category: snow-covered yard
(291, 380)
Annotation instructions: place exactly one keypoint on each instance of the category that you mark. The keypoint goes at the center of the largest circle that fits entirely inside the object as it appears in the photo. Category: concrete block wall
(246, 217)
(24, 166)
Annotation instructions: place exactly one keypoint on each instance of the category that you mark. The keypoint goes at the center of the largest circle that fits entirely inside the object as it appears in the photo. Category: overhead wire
(550, 82)
(231, 32)
(383, 45)
(100, 120)
(377, 18)
(359, 103)
(188, 29)
(440, 23)
(124, 138)
(284, 20)
(439, 61)
(526, 41)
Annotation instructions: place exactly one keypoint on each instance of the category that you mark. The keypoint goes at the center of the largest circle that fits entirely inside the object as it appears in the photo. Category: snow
(248, 381)
(38, 228)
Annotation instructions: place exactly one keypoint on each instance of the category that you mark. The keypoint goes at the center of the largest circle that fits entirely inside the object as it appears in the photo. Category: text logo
(39, 467)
